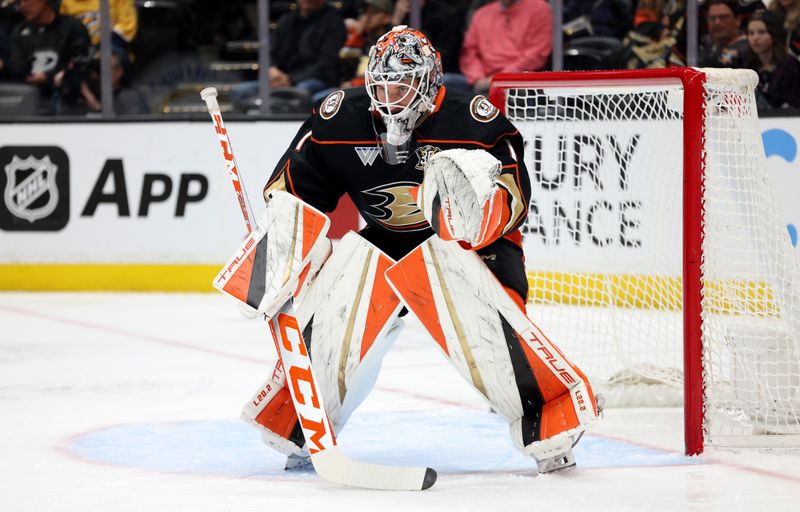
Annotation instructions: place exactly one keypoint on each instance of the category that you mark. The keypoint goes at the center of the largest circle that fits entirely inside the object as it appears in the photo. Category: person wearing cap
(767, 53)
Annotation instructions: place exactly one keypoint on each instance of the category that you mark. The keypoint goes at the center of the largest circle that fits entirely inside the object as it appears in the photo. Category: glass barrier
(274, 59)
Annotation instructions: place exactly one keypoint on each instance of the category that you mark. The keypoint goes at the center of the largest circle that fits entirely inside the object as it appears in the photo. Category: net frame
(693, 81)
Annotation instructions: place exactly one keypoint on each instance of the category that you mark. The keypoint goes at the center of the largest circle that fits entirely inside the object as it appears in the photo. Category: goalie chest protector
(342, 155)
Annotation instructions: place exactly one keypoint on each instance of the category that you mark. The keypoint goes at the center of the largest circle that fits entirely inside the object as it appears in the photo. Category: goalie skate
(566, 460)
(294, 462)
(557, 463)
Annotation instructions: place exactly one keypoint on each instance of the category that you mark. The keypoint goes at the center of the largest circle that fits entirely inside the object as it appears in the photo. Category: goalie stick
(328, 460)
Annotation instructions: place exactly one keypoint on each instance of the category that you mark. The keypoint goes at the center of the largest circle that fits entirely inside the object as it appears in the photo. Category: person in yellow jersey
(123, 17)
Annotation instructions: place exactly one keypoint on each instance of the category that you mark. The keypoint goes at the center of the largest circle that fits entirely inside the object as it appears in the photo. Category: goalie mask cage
(656, 255)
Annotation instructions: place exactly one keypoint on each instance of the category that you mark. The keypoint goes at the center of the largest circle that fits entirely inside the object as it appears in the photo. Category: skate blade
(558, 463)
(295, 462)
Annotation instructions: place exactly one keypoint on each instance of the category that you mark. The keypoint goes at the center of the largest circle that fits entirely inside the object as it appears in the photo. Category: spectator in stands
(473, 6)
(305, 53)
(650, 42)
(506, 36)
(43, 47)
(606, 18)
(674, 20)
(778, 71)
(789, 10)
(747, 8)
(127, 101)
(442, 23)
(350, 9)
(724, 46)
(9, 15)
(123, 18)
(362, 34)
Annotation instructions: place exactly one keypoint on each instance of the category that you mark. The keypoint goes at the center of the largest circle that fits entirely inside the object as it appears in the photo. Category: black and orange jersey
(336, 152)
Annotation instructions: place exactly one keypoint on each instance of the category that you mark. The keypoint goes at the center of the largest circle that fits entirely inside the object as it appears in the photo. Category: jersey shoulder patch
(482, 110)
(330, 105)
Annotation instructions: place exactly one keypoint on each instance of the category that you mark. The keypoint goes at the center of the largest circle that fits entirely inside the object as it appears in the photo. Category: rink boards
(149, 206)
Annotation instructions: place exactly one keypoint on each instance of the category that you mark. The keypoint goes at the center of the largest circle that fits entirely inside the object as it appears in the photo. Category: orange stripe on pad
(411, 280)
(279, 415)
(558, 415)
(549, 384)
(382, 303)
(572, 367)
(313, 225)
(239, 283)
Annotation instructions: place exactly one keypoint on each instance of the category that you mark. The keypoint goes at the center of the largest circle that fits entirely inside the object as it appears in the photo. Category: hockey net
(657, 258)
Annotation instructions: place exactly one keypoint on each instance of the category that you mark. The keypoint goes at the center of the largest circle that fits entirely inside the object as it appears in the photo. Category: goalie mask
(402, 79)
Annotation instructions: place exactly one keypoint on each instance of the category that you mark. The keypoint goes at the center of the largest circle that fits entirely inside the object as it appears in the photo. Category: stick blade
(332, 465)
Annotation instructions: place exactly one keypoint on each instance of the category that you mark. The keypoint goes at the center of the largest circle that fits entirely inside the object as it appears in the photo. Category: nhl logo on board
(22, 193)
(482, 110)
(36, 189)
(424, 153)
(330, 106)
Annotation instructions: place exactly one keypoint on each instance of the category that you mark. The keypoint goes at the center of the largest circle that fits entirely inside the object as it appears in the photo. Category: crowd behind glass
(164, 51)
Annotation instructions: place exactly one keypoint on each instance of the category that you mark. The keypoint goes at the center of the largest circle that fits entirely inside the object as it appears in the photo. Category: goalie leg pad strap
(349, 318)
(491, 342)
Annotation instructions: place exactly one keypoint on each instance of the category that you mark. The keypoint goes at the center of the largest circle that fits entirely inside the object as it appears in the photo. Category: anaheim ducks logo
(331, 105)
(393, 206)
(482, 110)
(44, 61)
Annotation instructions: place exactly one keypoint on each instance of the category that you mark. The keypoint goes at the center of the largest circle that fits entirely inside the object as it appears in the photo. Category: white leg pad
(496, 348)
(352, 313)
(349, 317)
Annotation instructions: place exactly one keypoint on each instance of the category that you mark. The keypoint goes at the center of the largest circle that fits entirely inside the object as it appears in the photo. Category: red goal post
(709, 115)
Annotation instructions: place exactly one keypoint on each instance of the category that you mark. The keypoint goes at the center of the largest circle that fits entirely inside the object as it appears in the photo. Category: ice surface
(129, 402)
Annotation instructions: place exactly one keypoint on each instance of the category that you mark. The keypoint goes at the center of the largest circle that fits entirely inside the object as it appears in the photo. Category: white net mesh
(751, 308)
(603, 243)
